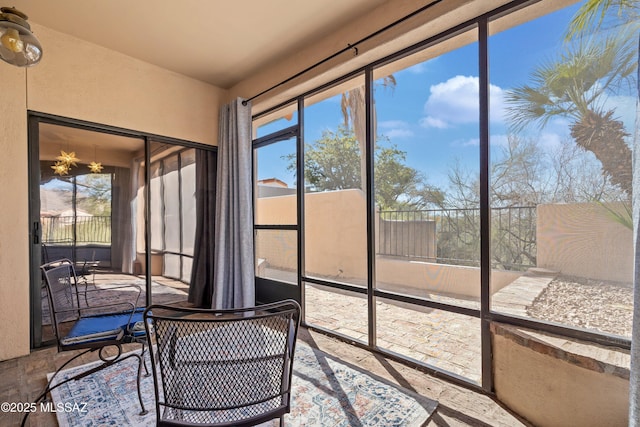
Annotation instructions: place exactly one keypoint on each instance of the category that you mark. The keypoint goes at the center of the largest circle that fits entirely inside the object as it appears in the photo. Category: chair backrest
(227, 367)
(55, 250)
(64, 300)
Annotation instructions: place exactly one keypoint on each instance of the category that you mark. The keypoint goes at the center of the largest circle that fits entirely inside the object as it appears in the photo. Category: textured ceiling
(219, 42)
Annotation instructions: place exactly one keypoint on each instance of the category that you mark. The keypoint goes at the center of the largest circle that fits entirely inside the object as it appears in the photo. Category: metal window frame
(486, 315)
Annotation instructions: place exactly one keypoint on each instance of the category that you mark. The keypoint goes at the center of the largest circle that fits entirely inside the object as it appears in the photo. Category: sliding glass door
(95, 202)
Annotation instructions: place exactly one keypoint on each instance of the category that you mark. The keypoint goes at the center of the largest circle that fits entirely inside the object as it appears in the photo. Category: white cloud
(395, 129)
(432, 122)
(418, 68)
(399, 133)
(473, 142)
(456, 101)
(549, 141)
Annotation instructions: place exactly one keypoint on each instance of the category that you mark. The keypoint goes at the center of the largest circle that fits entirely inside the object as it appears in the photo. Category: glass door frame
(34, 118)
(269, 290)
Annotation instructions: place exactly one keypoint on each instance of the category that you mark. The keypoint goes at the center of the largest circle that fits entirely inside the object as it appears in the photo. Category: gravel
(586, 303)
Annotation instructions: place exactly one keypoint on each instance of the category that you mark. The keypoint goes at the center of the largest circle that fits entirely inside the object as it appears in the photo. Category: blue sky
(432, 113)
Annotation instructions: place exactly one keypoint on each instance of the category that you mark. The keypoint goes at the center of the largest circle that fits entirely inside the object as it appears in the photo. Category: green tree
(333, 163)
(94, 193)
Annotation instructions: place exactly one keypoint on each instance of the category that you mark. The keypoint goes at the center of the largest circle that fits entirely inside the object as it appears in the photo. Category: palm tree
(354, 114)
(575, 86)
(593, 14)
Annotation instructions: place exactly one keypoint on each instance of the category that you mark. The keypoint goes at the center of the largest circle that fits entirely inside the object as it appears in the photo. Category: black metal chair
(222, 367)
(85, 269)
(90, 327)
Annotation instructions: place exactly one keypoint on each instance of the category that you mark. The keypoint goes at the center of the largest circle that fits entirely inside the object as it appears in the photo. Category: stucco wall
(336, 239)
(551, 387)
(14, 220)
(421, 278)
(582, 239)
(336, 245)
(83, 81)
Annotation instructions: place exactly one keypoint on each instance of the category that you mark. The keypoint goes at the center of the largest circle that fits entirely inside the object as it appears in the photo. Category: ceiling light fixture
(69, 158)
(60, 168)
(18, 45)
(95, 167)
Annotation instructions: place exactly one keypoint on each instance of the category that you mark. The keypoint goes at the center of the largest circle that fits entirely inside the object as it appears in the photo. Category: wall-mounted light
(18, 45)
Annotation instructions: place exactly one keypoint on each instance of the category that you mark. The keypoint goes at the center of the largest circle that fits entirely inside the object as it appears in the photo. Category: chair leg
(144, 361)
(140, 363)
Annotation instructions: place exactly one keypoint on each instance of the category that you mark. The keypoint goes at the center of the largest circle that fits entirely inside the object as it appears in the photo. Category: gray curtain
(202, 273)
(634, 377)
(234, 272)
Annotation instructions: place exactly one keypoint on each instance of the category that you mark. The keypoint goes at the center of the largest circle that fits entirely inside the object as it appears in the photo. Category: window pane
(275, 191)
(171, 203)
(427, 174)
(188, 200)
(156, 207)
(335, 203)
(277, 255)
(275, 121)
(561, 179)
(171, 266)
(448, 341)
(339, 311)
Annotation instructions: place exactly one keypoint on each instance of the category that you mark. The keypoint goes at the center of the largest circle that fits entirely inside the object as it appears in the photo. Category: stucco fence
(572, 239)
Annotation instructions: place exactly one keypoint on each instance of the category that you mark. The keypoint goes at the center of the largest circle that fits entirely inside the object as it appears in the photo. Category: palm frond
(592, 14)
(574, 82)
(624, 217)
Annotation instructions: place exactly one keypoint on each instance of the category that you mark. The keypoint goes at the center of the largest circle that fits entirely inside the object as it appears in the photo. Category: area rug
(326, 392)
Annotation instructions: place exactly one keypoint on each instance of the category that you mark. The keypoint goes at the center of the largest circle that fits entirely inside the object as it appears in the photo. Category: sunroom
(446, 186)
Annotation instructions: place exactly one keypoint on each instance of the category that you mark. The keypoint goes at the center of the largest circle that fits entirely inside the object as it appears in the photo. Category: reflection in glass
(275, 191)
(275, 121)
(172, 219)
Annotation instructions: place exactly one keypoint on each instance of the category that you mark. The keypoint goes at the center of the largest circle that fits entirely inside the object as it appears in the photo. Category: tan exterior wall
(336, 239)
(93, 84)
(422, 278)
(336, 246)
(549, 391)
(336, 234)
(582, 239)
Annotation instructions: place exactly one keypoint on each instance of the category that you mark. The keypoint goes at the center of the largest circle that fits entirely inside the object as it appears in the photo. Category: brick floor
(23, 378)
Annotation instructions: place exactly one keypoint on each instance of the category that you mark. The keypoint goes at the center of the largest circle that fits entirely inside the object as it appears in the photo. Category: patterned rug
(326, 392)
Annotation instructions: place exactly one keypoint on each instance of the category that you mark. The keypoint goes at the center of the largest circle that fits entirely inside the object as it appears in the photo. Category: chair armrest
(99, 309)
(130, 307)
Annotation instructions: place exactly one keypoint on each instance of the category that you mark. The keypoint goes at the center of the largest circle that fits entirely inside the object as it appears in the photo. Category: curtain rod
(350, 46)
